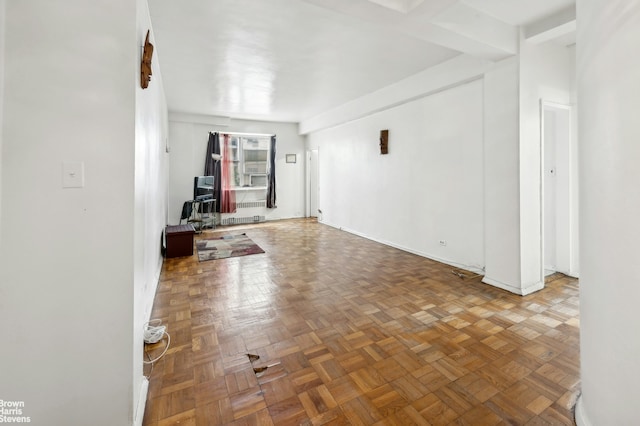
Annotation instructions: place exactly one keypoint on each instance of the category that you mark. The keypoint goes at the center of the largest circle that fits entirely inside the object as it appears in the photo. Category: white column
(608, 68)
(502, 176)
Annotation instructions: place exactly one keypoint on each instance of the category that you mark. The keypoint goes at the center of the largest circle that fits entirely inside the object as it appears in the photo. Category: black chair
(187, 209)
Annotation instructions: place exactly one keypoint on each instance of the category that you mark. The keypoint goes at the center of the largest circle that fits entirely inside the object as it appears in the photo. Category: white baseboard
(472, 268)
(142, 402)
(522, 291)
(531, 288)
(581, 414)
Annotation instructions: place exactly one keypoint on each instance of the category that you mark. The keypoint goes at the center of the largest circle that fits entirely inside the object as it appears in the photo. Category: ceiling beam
(563, 22)
(454, 72)
(484, 29)
(448, 23)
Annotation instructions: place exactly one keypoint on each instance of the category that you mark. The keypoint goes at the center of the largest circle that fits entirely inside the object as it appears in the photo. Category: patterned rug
(227, 246)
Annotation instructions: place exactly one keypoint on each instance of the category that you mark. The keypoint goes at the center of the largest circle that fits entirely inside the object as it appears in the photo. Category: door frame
(545, 104)
(309, 191)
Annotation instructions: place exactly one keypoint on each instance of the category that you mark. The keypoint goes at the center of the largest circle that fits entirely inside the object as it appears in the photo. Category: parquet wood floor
(353, 332)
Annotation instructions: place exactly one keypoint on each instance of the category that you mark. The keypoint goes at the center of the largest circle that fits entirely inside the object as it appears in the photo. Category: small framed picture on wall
(291, 158)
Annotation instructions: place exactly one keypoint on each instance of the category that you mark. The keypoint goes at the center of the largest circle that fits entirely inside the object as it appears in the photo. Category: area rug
(227, 246)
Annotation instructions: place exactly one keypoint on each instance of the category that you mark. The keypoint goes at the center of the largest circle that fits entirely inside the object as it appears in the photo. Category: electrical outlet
(443, 242)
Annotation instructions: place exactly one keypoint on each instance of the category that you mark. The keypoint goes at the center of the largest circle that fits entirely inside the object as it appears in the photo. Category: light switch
(72, 174)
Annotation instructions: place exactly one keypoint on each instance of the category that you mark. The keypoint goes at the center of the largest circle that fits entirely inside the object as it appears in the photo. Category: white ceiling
(288, 60)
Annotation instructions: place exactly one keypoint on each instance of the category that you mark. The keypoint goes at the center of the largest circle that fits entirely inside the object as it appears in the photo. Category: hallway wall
(2, 37)
(426, 190)
(508, 154)
(609, 96)
(77, 264)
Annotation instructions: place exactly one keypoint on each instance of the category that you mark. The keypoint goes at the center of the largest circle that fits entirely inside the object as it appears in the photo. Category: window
(249, 156)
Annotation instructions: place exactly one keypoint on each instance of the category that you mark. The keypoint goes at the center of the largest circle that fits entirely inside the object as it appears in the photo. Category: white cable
(151, 361)
(153, 331)
(153, 334)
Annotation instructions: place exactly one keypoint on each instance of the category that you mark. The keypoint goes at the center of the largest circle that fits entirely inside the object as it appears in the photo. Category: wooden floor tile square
(317, 401)
(247, 402)
(288, 412)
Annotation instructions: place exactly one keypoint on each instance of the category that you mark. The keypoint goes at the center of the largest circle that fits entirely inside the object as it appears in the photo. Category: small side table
(203, 214)
(179, 240)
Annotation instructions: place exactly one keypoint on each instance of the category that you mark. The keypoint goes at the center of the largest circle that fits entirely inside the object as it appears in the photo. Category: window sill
(250, 188)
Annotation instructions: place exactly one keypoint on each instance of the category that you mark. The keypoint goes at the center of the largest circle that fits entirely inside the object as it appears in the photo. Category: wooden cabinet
(179, 240)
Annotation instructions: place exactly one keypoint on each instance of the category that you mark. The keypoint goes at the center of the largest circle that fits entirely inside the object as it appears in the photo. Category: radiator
(246, 219)
(240, 220)
(250, 204)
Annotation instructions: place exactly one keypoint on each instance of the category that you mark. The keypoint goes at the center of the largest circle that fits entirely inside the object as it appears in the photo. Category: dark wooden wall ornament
(384, 141)
(145, 66)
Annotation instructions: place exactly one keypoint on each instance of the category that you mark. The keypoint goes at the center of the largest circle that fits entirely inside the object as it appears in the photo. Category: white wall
(509, 155)
(428, 188)
(574, 175)
(2, 31)
(422, 202)
(151, 196)
(70, 261)
(608, 38)
(511, 229)
(188, 136)
(496, 220)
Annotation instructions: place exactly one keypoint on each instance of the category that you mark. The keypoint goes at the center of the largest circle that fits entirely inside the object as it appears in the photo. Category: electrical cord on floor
(154, 331)
(147, 376)
(463, 276)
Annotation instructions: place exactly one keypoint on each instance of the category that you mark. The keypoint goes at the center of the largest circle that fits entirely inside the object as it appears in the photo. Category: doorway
(313, 186)
(556, 156)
